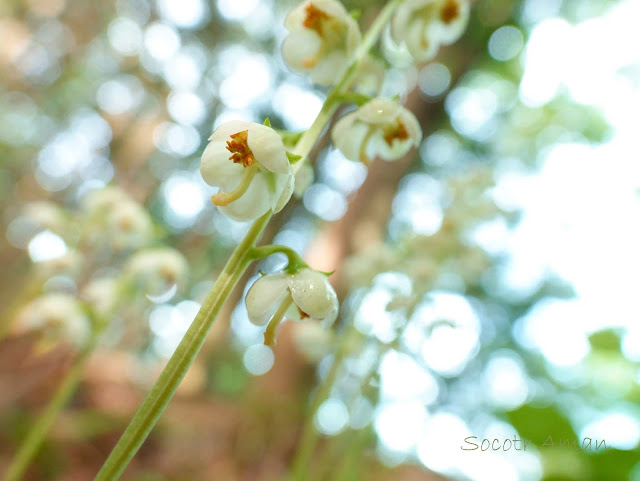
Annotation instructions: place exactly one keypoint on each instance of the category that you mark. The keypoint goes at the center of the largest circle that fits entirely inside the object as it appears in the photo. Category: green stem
(294, 261)
(32, 442)
(168, 381)
(184, 355)
(270, 333)
(309, 437)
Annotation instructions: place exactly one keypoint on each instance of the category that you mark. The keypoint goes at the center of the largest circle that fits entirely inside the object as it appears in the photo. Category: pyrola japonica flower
(322, 40)
(306, 294)
(114, 219)
(424, 25)
(58, 317)
(250, 165)
(381, 127)
(157, 270)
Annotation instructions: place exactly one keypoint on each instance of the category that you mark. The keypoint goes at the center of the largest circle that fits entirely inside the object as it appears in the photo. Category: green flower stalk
(170, 378)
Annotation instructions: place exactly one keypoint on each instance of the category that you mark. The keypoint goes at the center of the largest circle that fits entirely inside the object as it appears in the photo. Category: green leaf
(293, 158)
(605, 340)
(267, 122)
(537, 424)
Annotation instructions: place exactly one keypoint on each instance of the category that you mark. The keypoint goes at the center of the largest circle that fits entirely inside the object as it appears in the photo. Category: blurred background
(488, 281)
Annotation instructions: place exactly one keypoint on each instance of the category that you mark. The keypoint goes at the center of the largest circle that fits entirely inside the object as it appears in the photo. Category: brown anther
(240, 151)
(315, 18)
(303, 315)
(398, 131)
(450, 11)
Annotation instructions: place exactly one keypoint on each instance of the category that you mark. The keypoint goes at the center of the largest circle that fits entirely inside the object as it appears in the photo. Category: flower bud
(381, 128)
(322, 40)
(249, 164)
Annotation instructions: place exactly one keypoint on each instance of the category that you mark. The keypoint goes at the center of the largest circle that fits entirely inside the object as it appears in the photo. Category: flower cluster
(424, 25)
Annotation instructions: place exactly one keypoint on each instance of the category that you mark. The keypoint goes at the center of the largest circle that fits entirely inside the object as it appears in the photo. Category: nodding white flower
(102, 293)
(305, 294)
(424, 25)
(322, 40)
(58, 317)
(157, 271)
(44, 215)
(380, 127)
(250, 165)
(115, 219)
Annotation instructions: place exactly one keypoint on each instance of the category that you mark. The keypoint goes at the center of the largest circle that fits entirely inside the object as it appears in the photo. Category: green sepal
(355, 13)
(289, 139)
(355, 98)
(267, 122)
(293, 158)
(327, 273)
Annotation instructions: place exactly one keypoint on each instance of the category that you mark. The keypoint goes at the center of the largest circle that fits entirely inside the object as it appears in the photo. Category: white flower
(323, 38)
(57, 317)
(424, 25)
(157, 271)
(39, 216)
(102, 293)
(250, 165)
(305, 294)
(116, 220)
(380, 127)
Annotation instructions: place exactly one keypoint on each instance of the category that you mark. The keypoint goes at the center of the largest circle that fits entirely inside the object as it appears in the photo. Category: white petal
(348, 136)
(330, 68)
(379, 111)
(268, 149)
(332, 8)
(226, 130)
(412, 125)
(314, 295)
(353, 36)
(217, 169)
(300, 46)
(287, 190)
(264, 298)
(446, 34)
(420, 45)
(256, 201)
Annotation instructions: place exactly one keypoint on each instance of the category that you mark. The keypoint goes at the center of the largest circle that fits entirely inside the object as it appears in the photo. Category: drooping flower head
(322, 40)
(249, 164)
(424, 25)
(57, 317)
(157, 270)
(306, 294)
(113, 219)
(381, 127)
